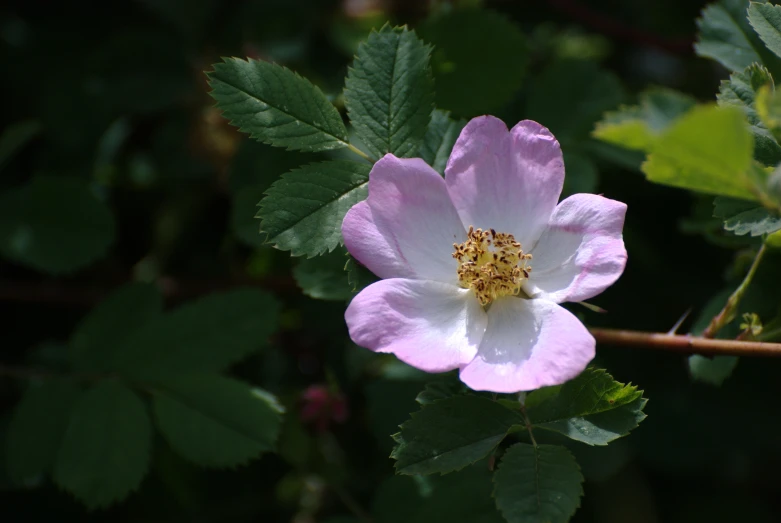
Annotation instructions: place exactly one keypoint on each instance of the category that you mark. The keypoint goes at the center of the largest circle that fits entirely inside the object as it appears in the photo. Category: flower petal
(430, 325)
(581, 253)
(528, 344)
(506, 180)
(407, 226)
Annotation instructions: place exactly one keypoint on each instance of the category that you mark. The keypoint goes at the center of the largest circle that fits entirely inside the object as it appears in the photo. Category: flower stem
(728, 312)
(526, 419)
(686, 344)
(359, 152)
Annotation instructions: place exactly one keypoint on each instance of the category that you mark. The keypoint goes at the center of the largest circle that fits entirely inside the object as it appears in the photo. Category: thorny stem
(359, 152)
(728, 312)
(686, 344)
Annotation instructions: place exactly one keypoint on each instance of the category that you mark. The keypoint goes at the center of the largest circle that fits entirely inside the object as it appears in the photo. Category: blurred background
(111, 98)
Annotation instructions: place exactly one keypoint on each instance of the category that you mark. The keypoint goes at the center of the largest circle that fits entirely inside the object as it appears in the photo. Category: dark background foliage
(113, 96)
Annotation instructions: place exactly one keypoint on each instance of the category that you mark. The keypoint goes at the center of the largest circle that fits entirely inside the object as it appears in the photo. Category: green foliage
(276, 106)
(324, 277)
(439, 139)
(105, 451)
(389, 92)
(637, 127)
(741, 90)
(303, 211)
(216, 421)
(745, 217)
(358, 276)
(451, 433)
(55, 225)
(208, 334)
(479, 61)
(538, 484)
(582, 175)
(726, 36)
(766, 21)
(709, 150)
(592, 408)
(115, 318)
(570, 96)
(37, 427)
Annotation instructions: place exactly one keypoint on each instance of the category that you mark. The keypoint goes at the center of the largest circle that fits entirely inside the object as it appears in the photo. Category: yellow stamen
(492, 264)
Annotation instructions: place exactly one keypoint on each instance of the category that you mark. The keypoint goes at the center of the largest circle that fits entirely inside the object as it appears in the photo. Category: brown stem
(686, 344)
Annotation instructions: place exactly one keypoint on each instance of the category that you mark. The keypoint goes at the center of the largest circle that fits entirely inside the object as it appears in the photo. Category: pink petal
(407, 226)
(528, 344)
(506, 180)
(581, 253)
(430, 325)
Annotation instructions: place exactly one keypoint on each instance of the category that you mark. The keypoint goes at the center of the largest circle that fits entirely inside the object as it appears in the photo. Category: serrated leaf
(324, 277)
(766, 21)
(358, 276)
(208, 334)
(725, 35)
(538, 484)
(303, 211)
(276, 106)
(744, 217)
(389, 92)
(443, 388)
(55, 225)
(638, 126)
(479, 61)
(710, 150)
(741, 90)
(450, 434)
(440, 137)
(122, 312)
(216, 421)
(105, 451)
(592, 408)
(37, 428)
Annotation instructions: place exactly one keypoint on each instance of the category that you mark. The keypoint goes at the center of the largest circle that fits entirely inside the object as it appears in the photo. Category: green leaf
(450, 434)
(276, 106)
(115, 318)
(744, 217)
(324, 277)
(479, 61)
(205, 335)
(766, 21)
(444, 388)
(216, 421)
(16, 136)
(105, 451)
(713, 371)
(592, 408)
(358, 276)
(389, 91)
(570, 96)
(741, 90)
(638, 126)
(710, 149)
(55, 225)
(303, 212)
(37, 427)
(726, 36)
(538, 484)
(439, 140)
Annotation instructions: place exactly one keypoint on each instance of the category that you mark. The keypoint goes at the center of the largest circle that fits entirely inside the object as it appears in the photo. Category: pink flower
(475, 264)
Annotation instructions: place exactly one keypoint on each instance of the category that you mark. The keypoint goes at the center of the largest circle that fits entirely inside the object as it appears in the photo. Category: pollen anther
(492, 264)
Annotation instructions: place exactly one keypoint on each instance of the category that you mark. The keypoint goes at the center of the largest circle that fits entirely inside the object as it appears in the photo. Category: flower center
(492, 264)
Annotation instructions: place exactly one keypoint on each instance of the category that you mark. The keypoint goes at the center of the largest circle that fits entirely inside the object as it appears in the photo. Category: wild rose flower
(474, 265)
